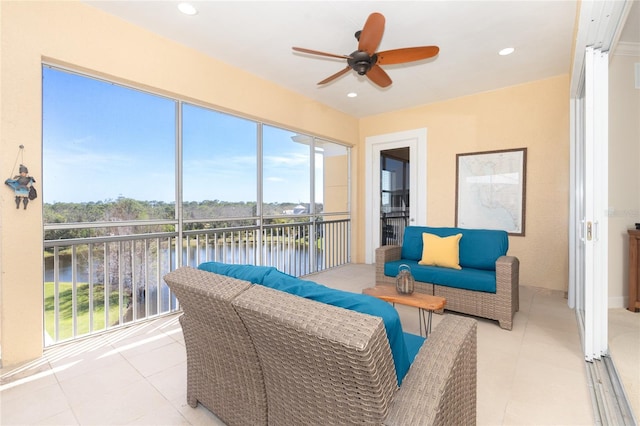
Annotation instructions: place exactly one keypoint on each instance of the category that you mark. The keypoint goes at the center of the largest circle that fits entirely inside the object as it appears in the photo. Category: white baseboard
(617, 302)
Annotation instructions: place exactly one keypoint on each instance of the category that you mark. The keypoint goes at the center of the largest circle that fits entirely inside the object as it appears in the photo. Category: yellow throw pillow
(441, 251)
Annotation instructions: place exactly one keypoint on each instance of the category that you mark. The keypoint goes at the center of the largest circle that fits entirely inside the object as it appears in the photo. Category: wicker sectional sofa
(487, 285)
(256, 355)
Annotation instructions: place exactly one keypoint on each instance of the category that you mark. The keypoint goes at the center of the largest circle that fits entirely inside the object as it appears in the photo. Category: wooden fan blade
(371, 34)
(409, 54)
(316, 52)
(379, 76)
(336, 75)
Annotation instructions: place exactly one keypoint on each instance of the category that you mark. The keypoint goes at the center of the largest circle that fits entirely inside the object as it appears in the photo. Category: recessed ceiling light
(352, 94)
(506, 51)
(187, 9)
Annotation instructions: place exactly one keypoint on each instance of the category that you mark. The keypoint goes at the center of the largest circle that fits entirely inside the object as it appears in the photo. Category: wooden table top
(417, 300)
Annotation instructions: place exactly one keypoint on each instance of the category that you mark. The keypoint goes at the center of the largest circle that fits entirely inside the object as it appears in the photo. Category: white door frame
(416, 141)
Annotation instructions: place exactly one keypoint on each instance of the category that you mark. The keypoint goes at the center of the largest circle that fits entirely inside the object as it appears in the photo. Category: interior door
(415, 141)
(395, 195)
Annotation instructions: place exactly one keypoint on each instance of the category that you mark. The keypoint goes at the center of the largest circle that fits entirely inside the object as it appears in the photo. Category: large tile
(178, 337)
(558, 319)
(623, 321)
(556, 347)
(90, 346)
(131, 403)
(520, 320)
(171, 382)
(159, 359)
(164, 415)
(98, 383)
(142, 343)
(527, 295)
(494, 384)
(25, 370)
(497, 361)
(65, 418)
(561, 394)
(25, 385)
(521, 413)
(96, 355)
(199, 415)
(493, 339)
(33, 408)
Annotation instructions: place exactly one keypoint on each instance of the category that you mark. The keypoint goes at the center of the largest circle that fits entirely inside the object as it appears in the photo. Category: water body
(294, 261)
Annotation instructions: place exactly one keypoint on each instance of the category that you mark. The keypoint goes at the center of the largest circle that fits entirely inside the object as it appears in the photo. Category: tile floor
(532, 375)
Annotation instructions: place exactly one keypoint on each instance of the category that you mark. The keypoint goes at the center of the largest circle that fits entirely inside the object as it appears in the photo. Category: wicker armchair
(319, 364)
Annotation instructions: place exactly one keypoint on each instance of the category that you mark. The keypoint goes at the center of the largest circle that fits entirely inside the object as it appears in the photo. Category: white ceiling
(257, 36)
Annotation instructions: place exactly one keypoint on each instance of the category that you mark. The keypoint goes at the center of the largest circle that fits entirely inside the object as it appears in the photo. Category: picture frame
(491, 190)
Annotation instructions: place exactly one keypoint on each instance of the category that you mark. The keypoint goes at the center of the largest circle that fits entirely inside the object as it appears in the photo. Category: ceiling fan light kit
(366, 61)
(187, 8)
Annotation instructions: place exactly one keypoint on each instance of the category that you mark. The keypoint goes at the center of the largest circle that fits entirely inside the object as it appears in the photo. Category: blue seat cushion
(403, 348)
(478, 248)
(414, 343)
(465, 278)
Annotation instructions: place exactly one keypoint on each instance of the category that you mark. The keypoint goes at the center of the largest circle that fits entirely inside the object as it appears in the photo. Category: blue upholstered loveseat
(486, 285)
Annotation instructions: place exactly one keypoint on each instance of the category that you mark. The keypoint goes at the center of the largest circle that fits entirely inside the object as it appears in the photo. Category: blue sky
(102, 141)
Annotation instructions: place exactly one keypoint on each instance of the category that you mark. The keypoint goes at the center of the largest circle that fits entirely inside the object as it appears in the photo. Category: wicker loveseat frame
(256, 355)
(501, 305)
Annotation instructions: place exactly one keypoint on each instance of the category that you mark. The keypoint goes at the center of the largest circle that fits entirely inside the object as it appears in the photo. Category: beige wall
(336, 181)
(533, 116)
(624, 172)
(70, 32)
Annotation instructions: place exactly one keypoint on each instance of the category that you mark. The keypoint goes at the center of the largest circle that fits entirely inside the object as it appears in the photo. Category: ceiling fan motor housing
(361, 62)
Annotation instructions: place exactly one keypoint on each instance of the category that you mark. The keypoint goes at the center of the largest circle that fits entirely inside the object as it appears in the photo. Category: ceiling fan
(366, 61)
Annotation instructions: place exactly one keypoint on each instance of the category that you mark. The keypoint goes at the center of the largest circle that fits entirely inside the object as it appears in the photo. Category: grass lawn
(82, 309)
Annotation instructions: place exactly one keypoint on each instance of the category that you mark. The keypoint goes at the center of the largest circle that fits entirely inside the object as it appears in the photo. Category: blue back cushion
(253, 274)
(272, 278)
(479, 248)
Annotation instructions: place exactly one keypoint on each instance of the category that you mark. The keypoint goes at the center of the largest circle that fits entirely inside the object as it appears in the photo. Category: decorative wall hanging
(490, 190)
(22, 183)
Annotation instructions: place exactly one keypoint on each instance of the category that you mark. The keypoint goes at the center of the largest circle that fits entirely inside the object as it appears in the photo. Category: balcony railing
(392, 227)
(95, 284)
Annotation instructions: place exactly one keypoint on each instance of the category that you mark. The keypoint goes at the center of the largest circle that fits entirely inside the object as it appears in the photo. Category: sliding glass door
(589, 205)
